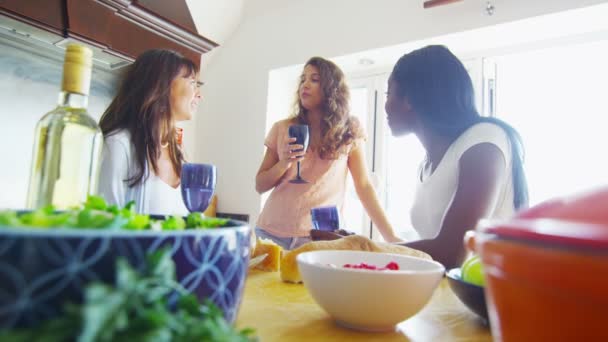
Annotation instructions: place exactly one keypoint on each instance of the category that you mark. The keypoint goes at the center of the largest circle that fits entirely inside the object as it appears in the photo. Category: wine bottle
(68, 141)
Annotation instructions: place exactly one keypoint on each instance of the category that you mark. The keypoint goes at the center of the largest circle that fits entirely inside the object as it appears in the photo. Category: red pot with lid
(547, 278)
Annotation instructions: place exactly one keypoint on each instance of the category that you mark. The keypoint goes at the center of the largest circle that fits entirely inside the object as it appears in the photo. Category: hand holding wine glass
(300, 132)
(291, 152)
(197, 184)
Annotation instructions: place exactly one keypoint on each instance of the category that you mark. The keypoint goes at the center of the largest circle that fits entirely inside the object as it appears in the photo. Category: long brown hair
(338, 128)
(142, 107)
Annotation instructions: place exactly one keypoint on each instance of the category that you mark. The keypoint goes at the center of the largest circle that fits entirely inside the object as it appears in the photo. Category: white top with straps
(435, 191)
(153, 196)
(164, 199)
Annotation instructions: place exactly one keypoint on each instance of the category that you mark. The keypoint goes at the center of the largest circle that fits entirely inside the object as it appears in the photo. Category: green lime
(472, 271)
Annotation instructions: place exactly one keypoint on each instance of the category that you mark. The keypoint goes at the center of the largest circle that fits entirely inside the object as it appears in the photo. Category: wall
(29, 88)
(216, 20)
(231, 123)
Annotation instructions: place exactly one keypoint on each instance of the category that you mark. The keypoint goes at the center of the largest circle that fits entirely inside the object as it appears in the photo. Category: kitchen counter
(280, 311)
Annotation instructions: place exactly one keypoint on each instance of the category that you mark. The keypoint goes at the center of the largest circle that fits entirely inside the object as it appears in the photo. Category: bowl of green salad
(48, 257)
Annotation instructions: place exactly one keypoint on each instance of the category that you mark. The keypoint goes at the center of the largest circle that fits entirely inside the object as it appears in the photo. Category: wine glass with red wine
(300, 132)
(198, 185)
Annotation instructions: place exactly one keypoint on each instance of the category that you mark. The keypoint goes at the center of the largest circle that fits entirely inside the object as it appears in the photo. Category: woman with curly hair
(142, 157)
(336, 147)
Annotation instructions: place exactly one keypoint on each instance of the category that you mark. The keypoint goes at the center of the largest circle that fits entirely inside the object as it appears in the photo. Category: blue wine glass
(300, 132)
(325, 218)
(198, 184)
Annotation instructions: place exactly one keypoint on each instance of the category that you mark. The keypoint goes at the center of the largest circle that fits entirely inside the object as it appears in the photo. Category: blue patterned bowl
(40, 269)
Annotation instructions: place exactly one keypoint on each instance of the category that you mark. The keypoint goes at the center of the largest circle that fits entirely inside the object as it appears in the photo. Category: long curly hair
(142, 107)
(338, 128)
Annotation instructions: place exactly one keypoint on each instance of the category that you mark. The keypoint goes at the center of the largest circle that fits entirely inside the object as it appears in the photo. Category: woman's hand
(469, 241)
(323, 235)
(291, 152)
(367, 195)
(276, 163)
(393, 239)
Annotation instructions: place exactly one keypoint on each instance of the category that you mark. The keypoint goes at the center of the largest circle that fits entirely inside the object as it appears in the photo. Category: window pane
(403, 156)
(556, 99)
(354, 216)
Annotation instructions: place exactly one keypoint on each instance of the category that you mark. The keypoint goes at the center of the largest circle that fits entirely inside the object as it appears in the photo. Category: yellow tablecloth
(286, 312)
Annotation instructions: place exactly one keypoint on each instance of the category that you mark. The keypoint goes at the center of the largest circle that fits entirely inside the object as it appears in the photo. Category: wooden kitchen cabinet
(121, 27)
(45, 14)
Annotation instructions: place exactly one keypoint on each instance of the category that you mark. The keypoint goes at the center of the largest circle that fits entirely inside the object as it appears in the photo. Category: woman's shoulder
(484, 131)
(284, 123)
(118, 139)
(357, 128)
(118, 136)
(281, 124)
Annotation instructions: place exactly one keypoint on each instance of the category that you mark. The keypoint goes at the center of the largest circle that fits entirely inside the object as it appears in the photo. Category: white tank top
(434, 192)
(118, 164)
(164, 199)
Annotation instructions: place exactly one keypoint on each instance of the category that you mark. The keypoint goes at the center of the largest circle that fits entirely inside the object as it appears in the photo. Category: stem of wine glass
(299, 170)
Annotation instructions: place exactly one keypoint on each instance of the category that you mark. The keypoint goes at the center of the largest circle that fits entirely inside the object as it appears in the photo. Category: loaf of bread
(289, 266)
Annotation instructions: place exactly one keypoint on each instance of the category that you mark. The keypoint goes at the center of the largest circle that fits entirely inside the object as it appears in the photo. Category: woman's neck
(314, 123)
(314, 117)
(173, 128)
(435, 146)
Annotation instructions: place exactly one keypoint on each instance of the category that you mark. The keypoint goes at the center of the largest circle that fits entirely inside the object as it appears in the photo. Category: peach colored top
(287, 210)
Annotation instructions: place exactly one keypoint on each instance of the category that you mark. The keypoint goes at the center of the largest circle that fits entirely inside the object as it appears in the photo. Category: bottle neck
(73, 100)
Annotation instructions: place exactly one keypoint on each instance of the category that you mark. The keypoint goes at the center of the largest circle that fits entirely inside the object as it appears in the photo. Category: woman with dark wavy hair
(474, 165)
(142, 157)
(336, 147)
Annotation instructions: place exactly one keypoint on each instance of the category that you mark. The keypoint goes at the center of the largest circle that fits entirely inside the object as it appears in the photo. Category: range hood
(52, 46)
(116, 30)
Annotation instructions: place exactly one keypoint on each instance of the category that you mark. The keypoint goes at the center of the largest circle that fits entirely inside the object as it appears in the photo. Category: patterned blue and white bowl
(40, 269)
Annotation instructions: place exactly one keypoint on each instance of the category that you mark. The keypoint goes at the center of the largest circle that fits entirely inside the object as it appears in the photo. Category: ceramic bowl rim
(456, 274)
(438, 268)
(34, 232)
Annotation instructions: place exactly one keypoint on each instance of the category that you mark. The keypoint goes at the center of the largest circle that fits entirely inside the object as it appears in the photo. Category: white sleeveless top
(153, 196)
(164, 199)
(435, 191)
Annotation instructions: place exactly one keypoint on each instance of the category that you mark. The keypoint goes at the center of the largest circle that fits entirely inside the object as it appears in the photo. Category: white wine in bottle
(68, 141)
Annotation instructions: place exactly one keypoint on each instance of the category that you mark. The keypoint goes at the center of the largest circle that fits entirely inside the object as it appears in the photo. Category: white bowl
(369, 300)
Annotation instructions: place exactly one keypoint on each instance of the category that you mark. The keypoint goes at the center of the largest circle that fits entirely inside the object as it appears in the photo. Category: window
(554, 97)
(392, 162)
(362, 105)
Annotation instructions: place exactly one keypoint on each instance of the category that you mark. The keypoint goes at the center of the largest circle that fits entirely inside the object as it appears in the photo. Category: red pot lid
(551, 232)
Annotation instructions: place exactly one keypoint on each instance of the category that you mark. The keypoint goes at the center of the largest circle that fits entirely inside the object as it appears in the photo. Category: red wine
(327, 224)
(300, 132)
(196, 199)
(325, 218)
